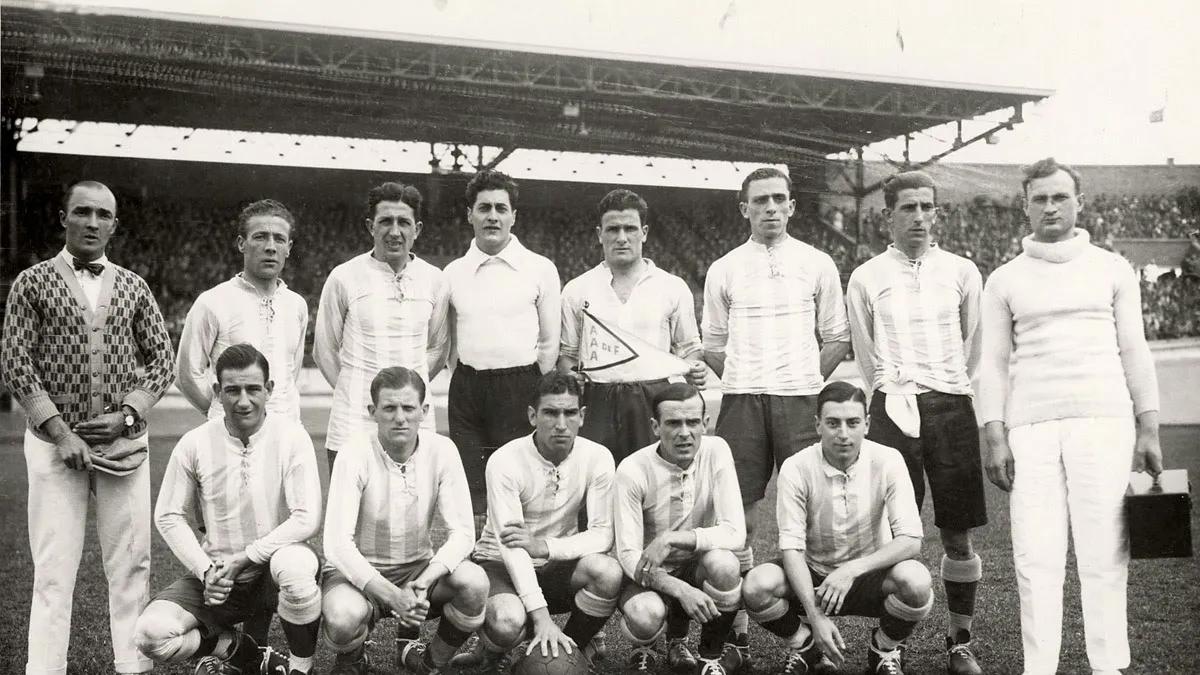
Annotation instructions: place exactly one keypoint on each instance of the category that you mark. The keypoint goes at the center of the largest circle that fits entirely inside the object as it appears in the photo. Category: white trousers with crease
(58, 507)
(1071, 475)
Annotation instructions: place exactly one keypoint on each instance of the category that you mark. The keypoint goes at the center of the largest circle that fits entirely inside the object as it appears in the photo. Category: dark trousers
(618, 415)
(486, 409)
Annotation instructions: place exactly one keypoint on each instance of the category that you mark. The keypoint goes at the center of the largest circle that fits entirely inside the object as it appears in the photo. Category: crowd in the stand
(183, 248)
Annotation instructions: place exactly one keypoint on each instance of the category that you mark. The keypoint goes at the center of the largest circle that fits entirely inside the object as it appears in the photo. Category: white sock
(300, 663)
(741, 622)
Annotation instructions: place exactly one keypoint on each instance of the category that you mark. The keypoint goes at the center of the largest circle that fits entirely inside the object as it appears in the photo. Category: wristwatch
(130, 418)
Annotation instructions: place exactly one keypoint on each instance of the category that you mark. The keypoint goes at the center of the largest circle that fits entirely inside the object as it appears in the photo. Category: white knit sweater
(1063, 337)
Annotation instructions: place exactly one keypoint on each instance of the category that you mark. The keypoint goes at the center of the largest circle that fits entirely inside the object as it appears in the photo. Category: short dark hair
(906, 180)
(240, 357)
(763, 173)
(840, 392)
(394, 192)
(265, 207)
(623, 200)
(676, 391)
(491, 180)
(1044, 168)
(555, 382)
(397, 377)
(89, 184)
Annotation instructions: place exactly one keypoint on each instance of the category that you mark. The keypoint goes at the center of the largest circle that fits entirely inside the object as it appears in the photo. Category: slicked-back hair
(906, 180)
(89, 184)
(265, 207)
(763, 173)
(553, 383)
(623, 200)
(676, 391)
(840, 392)
(491, 180)
(1044, 168)
(394, 192)
(397, 377)
(240, 357)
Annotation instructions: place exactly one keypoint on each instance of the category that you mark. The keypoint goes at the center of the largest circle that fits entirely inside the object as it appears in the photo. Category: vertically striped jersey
(653, 496)
(234, 312)
(836, 516)
(764, 307)
(915, 323)
(380, 511)
(524, 487)
(254, 498)
(370, 318)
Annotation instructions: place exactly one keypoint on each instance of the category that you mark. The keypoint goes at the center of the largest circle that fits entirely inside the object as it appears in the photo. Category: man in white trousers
(1067, 417)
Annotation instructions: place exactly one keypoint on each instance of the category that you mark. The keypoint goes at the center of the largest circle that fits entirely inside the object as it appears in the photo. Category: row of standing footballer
(594, 495)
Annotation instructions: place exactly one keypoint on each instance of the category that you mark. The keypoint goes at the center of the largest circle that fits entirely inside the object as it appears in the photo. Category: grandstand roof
(133, 67)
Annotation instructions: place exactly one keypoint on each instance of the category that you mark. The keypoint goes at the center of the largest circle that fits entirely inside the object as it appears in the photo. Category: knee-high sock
(453, 630)
(961, 578)
(899, 620)
(713, 633)
(785, 621)
(588, 616)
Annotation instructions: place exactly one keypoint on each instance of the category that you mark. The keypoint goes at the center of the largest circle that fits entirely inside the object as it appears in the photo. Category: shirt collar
(514, 253)
(384, 267)
(674, 468)
(901, 256)
(786, 240)
(254, 437)
(240, 280)
(649, 270)
(831, 470)
(70, 259)
(378, 445)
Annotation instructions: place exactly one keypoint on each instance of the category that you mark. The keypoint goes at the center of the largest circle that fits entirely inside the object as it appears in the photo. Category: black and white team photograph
(703, 337)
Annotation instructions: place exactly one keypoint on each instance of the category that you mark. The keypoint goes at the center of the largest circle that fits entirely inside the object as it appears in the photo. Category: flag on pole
(1157, 115)
(623, 356)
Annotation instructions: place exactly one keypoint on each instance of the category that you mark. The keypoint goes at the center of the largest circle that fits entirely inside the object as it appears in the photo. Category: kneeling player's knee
(720, 568)
(345, 624)
(505, 620)
(762, 584)
(911, 582)
(644, 616)
(162, 637)
(604, 576)
(470, 584)
(294, 569)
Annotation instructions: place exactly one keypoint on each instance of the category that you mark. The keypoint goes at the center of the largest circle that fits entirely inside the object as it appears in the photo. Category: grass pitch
(1164, 595)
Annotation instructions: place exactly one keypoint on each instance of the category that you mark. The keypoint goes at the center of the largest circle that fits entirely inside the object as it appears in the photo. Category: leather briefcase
(1159, 513)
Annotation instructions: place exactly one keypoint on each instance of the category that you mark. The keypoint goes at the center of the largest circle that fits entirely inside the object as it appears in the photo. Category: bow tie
(94, 267)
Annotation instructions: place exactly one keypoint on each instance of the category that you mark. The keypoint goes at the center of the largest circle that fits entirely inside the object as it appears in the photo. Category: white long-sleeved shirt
(234, 312)
(380, 512)
(652, 496)
(516, 289)
(835, 516)
(254, 498)
(660, 310)
(370, 318)
(763, 308)
(1063, 337)
(524, 487)
(915, 323)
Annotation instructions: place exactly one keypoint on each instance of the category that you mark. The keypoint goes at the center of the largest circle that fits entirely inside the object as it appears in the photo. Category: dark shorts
(554, 578)
(618, 415)
(485, 410)
(763, 430)
(247, 599)
(396, 574)
(947, 451)
(686, 573)
(865, 598)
